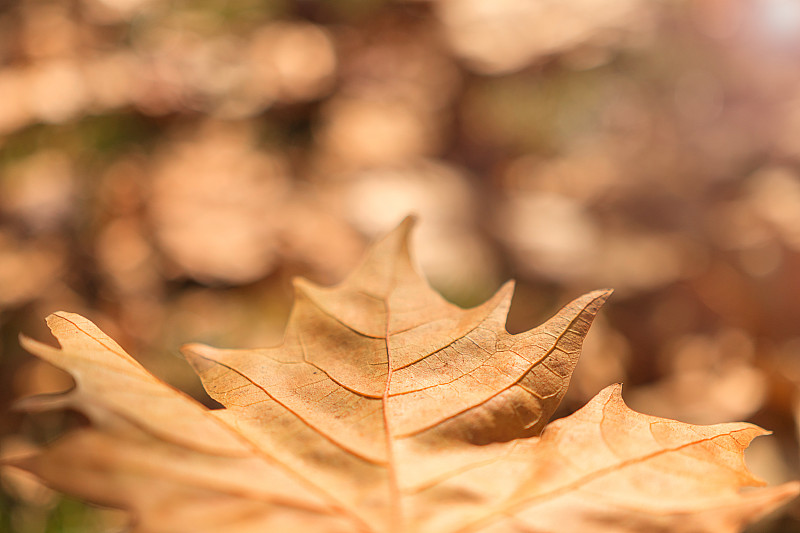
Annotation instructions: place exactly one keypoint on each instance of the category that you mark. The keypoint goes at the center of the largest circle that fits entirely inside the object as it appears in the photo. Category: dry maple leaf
(387, 409)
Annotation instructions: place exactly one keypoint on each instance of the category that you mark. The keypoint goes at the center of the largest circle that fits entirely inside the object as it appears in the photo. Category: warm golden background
(167, 166)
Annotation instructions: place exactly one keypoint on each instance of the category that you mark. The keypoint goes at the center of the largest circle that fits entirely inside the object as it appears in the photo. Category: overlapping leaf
(387, 409)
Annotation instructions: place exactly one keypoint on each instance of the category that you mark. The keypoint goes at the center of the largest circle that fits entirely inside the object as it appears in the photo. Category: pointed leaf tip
(409, 222)
(27, 343)
(195, 351)
(601, 295)
(402, 232)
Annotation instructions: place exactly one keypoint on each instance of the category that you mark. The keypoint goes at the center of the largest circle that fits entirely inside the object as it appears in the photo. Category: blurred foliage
(167, 167)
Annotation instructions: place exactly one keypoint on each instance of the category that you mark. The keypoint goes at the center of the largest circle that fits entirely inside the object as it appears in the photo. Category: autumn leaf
(387, 410)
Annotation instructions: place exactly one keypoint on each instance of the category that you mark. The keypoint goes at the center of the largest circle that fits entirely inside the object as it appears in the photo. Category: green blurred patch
(101, 135)
(68, 515)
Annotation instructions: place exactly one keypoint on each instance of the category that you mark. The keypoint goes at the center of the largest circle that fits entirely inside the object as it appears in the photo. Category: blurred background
(166, 167)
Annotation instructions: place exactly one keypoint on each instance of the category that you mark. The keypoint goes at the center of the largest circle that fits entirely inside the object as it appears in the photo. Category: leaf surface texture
(387, 409)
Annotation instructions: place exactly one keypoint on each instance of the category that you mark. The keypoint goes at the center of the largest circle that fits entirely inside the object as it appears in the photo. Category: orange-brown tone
(388, 410)
(167, 168)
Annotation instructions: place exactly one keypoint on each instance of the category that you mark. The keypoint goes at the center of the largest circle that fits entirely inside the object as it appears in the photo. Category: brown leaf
(155, 451)
(388, 409)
